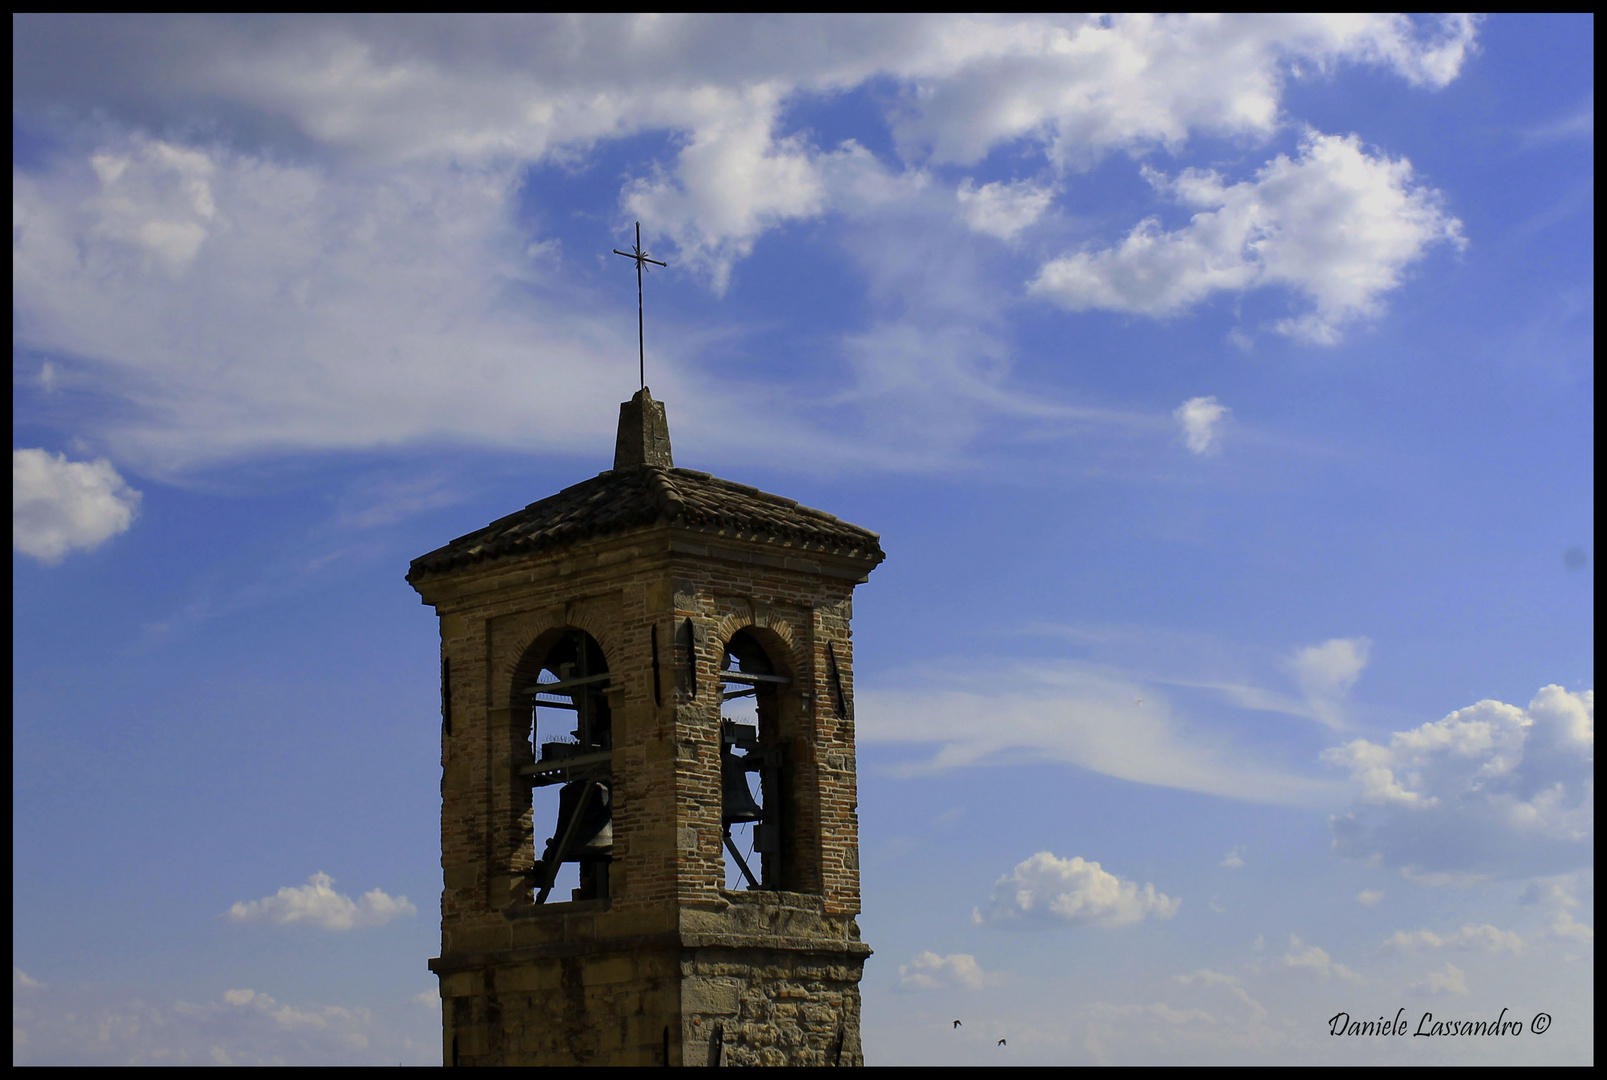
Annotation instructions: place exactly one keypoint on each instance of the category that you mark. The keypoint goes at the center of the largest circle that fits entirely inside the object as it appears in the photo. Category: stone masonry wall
(798, 992)
(770, 980)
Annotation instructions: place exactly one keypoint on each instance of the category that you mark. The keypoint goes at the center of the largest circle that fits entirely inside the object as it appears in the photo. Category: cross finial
(641, 267)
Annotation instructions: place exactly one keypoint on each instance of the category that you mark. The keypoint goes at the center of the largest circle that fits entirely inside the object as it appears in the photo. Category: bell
(593, 834)
(737, 801)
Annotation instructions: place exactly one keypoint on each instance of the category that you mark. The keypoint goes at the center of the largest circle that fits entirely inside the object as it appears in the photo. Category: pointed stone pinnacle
(644, 434)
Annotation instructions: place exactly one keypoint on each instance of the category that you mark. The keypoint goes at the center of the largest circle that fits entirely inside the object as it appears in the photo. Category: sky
(1220, 387)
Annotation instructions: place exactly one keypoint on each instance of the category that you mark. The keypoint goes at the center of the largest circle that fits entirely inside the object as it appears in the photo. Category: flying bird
(956, 1023)
(1001, 1042)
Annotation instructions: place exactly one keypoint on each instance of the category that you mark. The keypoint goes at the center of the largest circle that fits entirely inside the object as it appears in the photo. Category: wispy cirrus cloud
(1081, 714)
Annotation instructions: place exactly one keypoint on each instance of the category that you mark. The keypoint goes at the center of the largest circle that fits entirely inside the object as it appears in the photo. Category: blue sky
(1221, 389)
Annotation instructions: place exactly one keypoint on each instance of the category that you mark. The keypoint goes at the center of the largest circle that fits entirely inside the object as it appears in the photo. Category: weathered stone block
(538, 976)
(718, 997)
(609, 970)
(482, 938)
(460, 984)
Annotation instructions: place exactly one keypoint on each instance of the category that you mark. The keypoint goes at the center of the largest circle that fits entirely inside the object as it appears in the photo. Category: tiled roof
(624, 500)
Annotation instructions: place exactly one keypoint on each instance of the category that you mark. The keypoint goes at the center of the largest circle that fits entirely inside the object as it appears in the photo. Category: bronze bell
(593, 834)
(737, 800)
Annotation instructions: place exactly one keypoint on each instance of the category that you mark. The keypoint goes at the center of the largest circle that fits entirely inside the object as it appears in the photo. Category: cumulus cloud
(345, 269)
(1325, 673)
(1209, 1012)
(1450, 981)
(1234, 859)
(1565, 927)
(1314, 961)
(1336, 224)
(1045, 890)
(1329, 670)
(929, 971)
(59, 505)
(318, 904)
(1562, 894)
(1003, 209)
(1084, 86)
(411, 88)
(1200, 419)
(1472, 937)
(1369, 897)
(1491, 788)
(82, 1025)
(733, 180)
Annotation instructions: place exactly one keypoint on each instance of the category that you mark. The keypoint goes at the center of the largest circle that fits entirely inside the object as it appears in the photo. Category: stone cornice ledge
(445, 965)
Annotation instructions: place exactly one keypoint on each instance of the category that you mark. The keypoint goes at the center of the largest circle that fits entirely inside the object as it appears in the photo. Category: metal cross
(641, 260)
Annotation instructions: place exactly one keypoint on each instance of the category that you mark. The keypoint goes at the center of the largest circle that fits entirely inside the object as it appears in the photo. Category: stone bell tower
(597, 642)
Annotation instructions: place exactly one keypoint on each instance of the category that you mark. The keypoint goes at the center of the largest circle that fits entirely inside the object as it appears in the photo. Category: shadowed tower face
(649, 838)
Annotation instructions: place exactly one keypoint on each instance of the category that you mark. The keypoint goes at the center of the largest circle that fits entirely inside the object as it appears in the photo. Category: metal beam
(566, 684)
(748, 677)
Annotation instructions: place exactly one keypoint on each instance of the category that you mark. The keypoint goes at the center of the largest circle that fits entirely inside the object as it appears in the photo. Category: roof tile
(625, 500)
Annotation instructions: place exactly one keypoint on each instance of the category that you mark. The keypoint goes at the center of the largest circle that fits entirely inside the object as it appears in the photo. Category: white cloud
(1078, 714)
(1315, 961)
(420, 87)
(1369, 897)
(958, 971)
(318, 904)
(1329, 670)
(21, 978)
(344, 270)
(1325, 673)
(1450, 981)
(1003, 209)
(58, 505)
(83, 1025)
(1562, 894)
(1491, 788)
(322, 311)
(1234, 859)
(1580, 124)
(160, 209)
(733, 180)
(1565, 928)
(1336, 224)
(1209, 1013)
(1083, 86)
(1045, 890)
(1200, 419)
(1472, 937)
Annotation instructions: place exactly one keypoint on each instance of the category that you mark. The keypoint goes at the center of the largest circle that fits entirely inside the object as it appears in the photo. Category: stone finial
(644, 434)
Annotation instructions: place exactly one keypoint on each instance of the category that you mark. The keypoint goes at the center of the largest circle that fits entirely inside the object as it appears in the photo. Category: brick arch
(543, 631)
(779, 630)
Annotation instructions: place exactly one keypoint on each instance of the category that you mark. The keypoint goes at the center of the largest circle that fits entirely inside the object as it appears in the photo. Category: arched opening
(564, 683)
(754, 770)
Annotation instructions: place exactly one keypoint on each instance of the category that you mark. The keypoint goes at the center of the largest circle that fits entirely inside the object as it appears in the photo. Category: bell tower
(649, 837)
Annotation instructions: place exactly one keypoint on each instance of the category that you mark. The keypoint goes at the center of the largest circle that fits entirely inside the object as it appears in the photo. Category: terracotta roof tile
(624, 500)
